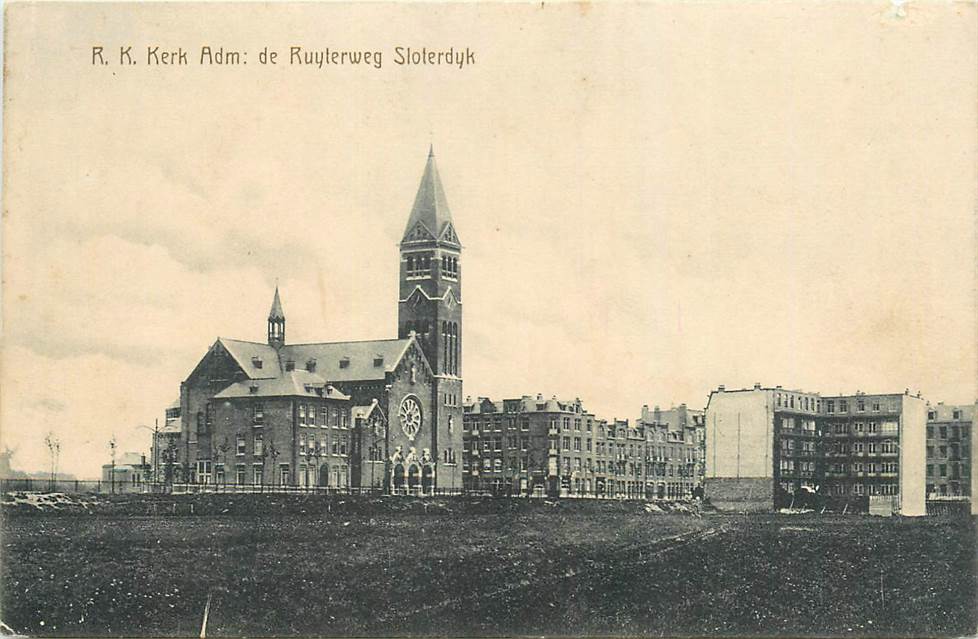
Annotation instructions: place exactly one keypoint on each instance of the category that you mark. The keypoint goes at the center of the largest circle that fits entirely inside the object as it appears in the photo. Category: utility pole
(156, 445)
(112, 445)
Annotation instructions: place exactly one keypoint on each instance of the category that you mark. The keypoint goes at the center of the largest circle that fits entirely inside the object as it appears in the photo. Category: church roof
(257, 360)
(276, 313)
(299, 383)
(334, 361)
(430, 208)
(350, 361)
(363, 412)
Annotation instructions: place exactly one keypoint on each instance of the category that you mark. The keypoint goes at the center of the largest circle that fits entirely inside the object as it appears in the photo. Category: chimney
(539, 397)
(721, 388)
(757, 386)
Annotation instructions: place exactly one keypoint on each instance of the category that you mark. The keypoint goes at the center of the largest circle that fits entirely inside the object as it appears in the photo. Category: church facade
(379, 413)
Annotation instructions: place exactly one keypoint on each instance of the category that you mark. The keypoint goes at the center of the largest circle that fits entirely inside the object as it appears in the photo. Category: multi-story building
(370, 413)
(676, 440)
(166, 445)
(554, 447)
(949, 450)
(765, 445)
(529, 445)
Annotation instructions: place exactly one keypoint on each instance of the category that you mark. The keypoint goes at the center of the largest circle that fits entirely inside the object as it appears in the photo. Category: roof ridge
(350, 341)
(242, 341)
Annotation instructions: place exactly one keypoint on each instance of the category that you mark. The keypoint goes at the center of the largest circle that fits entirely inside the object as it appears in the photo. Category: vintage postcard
(713, 370)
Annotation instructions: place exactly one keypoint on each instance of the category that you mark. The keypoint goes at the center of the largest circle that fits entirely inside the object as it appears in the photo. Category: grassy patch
(533, 569)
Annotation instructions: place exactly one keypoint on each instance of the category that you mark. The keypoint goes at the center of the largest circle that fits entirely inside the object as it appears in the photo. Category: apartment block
(768, 446)
(949, 450)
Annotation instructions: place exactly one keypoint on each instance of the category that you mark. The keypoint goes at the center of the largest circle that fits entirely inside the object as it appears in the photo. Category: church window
(444, 340)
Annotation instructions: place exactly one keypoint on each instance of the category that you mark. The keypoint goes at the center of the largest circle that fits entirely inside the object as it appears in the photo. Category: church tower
(430, 304)
(276, 323)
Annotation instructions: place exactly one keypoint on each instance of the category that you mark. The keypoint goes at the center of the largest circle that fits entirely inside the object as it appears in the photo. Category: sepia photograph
(713, 371)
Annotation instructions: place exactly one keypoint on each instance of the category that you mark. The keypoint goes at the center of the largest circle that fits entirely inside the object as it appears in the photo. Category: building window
(257, 474)
(240, 444)
(258, 445)
(258, 413)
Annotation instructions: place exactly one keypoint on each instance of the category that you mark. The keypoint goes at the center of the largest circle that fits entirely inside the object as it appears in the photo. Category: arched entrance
(398, 476)
(324, 475)
(427, 479)
(414, 477)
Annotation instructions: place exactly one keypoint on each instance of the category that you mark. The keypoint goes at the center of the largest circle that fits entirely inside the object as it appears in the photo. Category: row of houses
(755, 448)
(532, 445)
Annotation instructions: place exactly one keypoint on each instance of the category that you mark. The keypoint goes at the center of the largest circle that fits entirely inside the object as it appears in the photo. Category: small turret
(276, 323)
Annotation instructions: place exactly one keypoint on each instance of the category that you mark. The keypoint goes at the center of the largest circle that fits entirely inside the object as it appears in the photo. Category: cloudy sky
(654, 200)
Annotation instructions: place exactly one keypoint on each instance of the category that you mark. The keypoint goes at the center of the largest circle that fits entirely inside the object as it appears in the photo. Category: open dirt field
(466, 570)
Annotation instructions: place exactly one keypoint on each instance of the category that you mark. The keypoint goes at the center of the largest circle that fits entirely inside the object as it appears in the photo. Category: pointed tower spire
(276, 322)
(430, 215)
(276, 312)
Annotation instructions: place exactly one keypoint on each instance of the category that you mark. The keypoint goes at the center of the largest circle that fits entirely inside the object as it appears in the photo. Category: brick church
(381, 413)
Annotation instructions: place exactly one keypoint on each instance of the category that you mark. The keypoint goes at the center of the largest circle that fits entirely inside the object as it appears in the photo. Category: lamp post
(314, 458)
(112, 476)
(153, 454)
(273, 453)
(378, 433)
